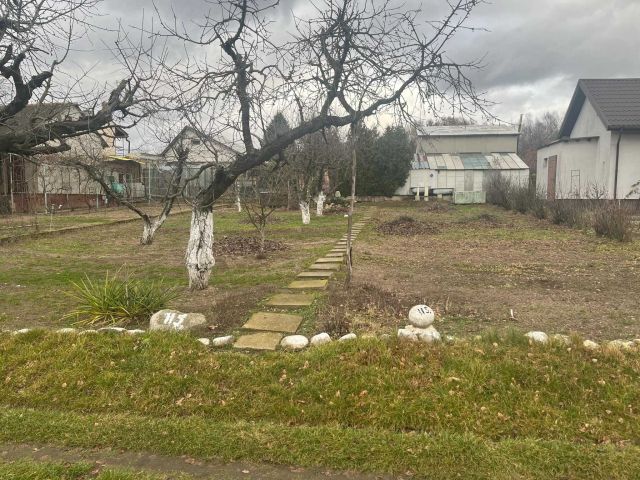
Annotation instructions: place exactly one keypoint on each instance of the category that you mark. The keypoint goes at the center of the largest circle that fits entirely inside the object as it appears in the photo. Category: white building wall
(468, 144)
(629, 163)
(578, 168)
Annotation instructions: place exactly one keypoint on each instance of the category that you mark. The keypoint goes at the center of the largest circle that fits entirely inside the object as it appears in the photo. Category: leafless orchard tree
(36, 38)
(346, 61)
(262, 196)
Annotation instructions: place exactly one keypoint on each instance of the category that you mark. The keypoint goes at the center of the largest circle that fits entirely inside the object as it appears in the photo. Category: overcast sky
(534, 50)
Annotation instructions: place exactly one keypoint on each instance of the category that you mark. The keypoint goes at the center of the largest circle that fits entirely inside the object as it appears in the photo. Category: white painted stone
(112, 329)
(347, 337)
(561, 339)
(590, 345)
(67, 330)
(294, 342)
(88, 331)
(621, 344)
(538, 337)
(173, 320)
(320, 339)
(222, 341)
(421, 316)
(205, 341)
(135, 331)
(449, 338)
(21, 331)
(407, 335)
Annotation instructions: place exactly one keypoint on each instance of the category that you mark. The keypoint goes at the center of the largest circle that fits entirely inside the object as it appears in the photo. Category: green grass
(32, 470)
(37, 273)
(480, 408)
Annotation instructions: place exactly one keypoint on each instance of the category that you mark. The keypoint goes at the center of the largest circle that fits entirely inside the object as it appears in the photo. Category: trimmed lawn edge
(440, 456)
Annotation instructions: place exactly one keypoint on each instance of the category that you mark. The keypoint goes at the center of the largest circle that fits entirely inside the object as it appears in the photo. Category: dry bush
(499, 191)
(380, 308)
(612, 220)
(238, 245)
(567, 212)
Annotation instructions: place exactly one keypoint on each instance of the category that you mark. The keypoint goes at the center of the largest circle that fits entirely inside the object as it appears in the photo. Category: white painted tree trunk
(238, 203)
(306, 214)
(150, 227)
(199, 256)
(320, 204)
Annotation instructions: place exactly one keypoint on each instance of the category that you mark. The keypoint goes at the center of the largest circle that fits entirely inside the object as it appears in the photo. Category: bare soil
(160, 464)
(484, 262)
(241, 245)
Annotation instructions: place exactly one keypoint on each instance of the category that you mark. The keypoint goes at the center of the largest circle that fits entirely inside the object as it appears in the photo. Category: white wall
(199, 153)
(578, 168)
(629, 163)
(458, 180)
(469, 144)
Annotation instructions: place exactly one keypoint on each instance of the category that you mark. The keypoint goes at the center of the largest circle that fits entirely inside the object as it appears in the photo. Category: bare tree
(36, 38)
(536, 133)
(346, 61)
(262, 197)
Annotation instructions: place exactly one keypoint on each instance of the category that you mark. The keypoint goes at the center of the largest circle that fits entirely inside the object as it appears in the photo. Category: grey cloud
(534, 50)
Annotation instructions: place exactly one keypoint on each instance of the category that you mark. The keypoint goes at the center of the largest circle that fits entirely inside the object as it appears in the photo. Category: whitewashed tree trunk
(238, 203)
(199, 255)
(150, 227)
(306, 214)
(320, 204)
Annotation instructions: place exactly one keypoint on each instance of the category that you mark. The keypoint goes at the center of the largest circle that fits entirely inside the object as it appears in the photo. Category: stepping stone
(338, 250)
(325, 266)
(329, 260)
(273, 322)
(290, 300)
(335, 254)
(308, 284)
(316, 274)
(259, 341)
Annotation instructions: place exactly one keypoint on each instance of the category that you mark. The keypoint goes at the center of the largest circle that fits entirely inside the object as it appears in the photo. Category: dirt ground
(477, 264)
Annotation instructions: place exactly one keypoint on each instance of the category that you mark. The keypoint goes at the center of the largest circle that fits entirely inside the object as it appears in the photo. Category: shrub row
(608, 219)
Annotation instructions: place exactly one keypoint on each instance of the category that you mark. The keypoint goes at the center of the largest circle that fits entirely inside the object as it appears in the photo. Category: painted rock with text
(173, 320)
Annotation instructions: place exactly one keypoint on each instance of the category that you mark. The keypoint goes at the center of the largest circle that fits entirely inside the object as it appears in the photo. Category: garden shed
(456, 160)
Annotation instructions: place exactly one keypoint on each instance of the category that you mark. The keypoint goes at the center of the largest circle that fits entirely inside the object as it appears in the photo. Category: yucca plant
(117, 301)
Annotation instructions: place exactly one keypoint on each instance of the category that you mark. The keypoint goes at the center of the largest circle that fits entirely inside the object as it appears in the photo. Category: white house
(456, 160)
(598, 150)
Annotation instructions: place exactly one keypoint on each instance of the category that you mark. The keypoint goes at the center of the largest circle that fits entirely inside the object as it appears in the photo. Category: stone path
(264, 330)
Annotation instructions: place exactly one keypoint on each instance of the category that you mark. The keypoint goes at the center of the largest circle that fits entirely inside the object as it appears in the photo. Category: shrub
(499, 191)
(117, 302)
(613, 221)
(566, 212)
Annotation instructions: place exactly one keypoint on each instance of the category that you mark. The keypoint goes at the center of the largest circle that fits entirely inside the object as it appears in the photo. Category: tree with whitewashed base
(344, 61)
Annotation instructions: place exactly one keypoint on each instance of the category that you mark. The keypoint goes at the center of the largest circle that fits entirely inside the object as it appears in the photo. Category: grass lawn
(495, 408)
(35, 274)
(23, 470)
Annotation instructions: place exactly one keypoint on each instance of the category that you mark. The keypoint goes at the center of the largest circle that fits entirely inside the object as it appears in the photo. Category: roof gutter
(615, 175)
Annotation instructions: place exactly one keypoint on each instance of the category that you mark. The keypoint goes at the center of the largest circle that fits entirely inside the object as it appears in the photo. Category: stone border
(300, 342)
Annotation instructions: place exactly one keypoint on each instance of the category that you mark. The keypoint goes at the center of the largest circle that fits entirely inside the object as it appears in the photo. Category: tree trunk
(150, 227)
(354, 158)
(199, 256)
(306, 214)
(238, 203)
(320, 204)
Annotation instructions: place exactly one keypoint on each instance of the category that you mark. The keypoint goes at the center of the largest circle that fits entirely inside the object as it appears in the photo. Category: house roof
(467, 130)
(468, 161)
(615, 100)
(34, 116)
(202, 136)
